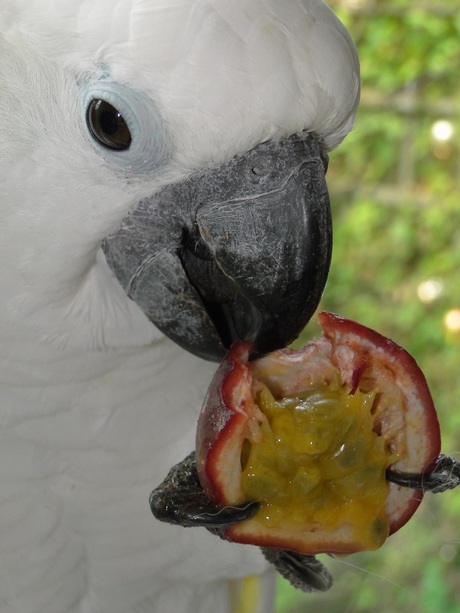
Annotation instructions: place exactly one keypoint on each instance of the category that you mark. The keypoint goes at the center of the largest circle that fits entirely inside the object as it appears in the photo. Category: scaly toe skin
(303, 571)
(181, 500)
(445, 476)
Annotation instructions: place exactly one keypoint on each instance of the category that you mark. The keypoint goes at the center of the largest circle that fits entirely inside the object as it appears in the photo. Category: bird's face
(201, 130)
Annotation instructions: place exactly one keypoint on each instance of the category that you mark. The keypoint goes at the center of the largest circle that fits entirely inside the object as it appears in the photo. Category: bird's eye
(107, 125)
(124, 126)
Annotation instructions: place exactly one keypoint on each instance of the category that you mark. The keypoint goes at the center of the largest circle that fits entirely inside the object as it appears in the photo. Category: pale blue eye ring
(125, 126)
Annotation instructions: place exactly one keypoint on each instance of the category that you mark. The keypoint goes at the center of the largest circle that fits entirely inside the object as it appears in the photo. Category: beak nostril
(259, 171)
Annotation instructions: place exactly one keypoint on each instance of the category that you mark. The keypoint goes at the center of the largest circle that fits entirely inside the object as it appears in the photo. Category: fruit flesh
(320, 462)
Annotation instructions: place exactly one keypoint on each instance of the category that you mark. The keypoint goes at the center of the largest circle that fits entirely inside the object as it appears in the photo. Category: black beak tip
(264, 329)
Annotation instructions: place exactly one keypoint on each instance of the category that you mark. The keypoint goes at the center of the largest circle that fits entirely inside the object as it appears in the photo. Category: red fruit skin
(223, 424)
(229, 413)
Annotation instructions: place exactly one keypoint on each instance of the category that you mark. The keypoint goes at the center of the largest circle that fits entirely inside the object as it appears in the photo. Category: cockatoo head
(188, 138)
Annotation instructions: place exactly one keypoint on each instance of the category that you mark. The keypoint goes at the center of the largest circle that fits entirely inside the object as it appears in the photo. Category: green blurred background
(395, 191)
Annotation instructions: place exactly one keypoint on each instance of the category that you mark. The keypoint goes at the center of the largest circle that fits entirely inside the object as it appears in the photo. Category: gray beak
(241, 251)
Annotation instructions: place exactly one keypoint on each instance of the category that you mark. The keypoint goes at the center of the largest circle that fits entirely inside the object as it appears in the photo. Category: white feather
(95, 404)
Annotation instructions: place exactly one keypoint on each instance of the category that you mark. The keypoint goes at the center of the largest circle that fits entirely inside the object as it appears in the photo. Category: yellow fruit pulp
(320, 464)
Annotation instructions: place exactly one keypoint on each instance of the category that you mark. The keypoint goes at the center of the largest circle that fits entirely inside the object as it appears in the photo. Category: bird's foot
(303, 571)
(444, 476)
(181, 500)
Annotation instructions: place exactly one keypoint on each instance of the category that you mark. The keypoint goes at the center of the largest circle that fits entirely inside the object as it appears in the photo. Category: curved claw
(444, 476)
(303, 571)
(181, 500)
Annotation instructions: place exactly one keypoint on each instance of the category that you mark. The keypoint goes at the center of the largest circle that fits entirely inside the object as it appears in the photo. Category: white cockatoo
(162, 168)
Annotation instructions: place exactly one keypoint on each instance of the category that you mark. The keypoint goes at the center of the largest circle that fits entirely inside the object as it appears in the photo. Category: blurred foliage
(395, 192)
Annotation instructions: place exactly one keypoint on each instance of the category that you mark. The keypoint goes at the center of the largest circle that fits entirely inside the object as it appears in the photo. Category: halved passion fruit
(310, 433)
